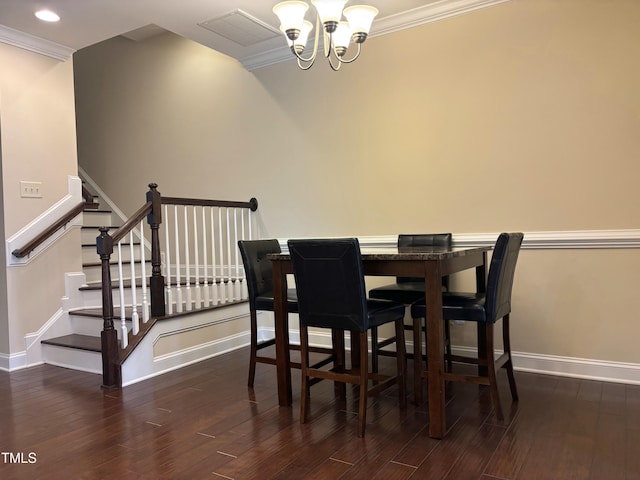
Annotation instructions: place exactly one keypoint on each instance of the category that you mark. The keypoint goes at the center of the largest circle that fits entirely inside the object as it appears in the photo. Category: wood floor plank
(202, 422)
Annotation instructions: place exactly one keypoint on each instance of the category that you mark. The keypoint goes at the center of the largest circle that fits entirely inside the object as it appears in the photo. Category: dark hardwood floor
(202, 422)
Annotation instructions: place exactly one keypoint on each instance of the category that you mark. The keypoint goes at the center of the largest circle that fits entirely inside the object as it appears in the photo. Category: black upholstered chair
(486, 309)
(331, 294)
(259, 274)
(408, 290)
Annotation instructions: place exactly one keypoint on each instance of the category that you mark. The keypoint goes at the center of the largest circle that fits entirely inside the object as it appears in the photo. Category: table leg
(283, 361)
(435, 350)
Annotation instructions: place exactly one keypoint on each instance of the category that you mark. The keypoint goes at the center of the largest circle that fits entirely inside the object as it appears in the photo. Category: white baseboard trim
(13, 362)
(584, 368)
(617, 372)
(179, 359)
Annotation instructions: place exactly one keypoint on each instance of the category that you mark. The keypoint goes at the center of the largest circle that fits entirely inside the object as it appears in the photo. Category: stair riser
(92, 326)
(90, 255)
(89, 235)
(72, 358)
(96, 219)
(94, 274)
(93, 298)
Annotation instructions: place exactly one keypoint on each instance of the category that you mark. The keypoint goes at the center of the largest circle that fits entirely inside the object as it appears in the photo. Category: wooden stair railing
(223, 268)
(44, 236)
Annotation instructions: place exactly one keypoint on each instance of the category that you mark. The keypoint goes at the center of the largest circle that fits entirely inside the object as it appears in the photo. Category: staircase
(81, 349)
(192, 306)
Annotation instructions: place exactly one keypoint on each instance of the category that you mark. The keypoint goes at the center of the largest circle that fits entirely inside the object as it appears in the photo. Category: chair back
(501, 274)
(330, 283)
(425, 240)
(257, 267)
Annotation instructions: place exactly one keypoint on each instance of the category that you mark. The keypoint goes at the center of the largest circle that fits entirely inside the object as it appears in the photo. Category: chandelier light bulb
(336, 33)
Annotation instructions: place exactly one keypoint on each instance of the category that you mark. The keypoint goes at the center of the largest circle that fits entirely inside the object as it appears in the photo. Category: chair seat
(265, 301)
(457, 306)
(383, 311)
(405, 292)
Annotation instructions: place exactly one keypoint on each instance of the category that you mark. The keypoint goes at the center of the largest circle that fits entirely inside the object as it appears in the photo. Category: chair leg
(364, 383)
(254, 347)
(374, 349)
(509, 365)
(447, 343)
(337, 340)
(304, 365)
(401, 364)
(418, 363)
(491, 370)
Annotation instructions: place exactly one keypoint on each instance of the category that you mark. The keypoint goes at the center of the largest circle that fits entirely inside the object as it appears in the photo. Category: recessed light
(47, 16)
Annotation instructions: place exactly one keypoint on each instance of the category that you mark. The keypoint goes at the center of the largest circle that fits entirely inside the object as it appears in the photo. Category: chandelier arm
(312, 58)
(355, 57)
(335, 68)
(305, 67)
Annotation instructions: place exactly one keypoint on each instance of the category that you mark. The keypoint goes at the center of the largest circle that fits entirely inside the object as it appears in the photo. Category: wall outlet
(31, 189)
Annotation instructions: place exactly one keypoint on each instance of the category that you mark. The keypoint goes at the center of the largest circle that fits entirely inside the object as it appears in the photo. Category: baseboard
(143, 363)
(605, 371)
(16, 361)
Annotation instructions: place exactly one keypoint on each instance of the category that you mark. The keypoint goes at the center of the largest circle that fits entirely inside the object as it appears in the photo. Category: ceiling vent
(241, 28)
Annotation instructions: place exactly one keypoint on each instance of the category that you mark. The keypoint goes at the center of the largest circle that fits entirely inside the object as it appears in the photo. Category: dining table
(430, 263)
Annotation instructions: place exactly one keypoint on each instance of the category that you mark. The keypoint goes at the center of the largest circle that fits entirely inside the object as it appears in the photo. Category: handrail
(42, 237)
(251, 204)
(134, 220)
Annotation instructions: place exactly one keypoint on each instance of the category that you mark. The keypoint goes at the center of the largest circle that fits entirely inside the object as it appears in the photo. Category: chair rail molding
(536, 240)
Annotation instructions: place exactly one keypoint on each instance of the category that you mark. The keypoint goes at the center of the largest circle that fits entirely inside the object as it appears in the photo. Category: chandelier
(337, 34)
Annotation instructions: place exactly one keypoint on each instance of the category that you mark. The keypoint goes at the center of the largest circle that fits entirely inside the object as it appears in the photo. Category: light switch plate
(31, 189)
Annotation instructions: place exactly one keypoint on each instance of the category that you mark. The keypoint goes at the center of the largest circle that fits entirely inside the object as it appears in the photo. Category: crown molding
(34, 44)
(385, 25)
(427, 14)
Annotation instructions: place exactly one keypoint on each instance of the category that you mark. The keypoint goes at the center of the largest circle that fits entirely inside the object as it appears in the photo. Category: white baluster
(143, 269)
(228, 260)
(243, 283)
(177, 242)
(135, 318)
(215, 294)
(167, 272)
(187, 263)
(196, 252)
(205, 280)
(223, 288)
(237, 286)
(123, 319)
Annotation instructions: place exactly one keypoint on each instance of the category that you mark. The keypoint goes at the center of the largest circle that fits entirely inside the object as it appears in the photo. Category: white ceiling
(86, 22)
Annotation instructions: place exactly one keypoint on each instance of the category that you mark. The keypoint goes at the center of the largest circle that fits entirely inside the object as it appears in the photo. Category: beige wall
(522, 116)
(37, 119)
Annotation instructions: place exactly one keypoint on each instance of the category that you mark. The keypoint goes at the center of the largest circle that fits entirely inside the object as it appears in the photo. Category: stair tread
(99, 264)
(80, 342)
(97, 312)
(89, 227)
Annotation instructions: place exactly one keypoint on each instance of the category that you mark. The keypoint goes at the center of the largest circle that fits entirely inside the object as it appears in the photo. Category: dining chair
(485, 308)
(408, 290)
(331, 292)
(259, 274)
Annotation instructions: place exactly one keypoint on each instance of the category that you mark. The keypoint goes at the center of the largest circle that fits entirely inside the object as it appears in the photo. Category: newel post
(156, 282)
(109, 336)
